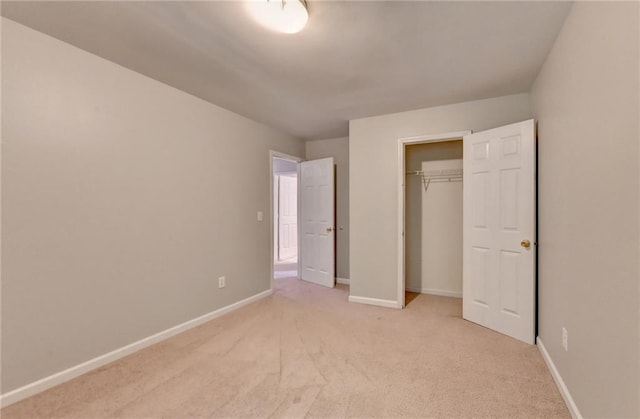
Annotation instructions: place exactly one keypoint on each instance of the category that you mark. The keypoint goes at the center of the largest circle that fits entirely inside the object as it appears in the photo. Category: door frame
(402, 143)
(276, 154)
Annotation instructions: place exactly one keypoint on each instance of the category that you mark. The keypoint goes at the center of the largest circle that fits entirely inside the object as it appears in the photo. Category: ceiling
(354, 59)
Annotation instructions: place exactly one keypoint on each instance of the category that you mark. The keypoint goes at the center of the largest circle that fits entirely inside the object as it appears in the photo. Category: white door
(317, 255)
(499, 229)
(287, 217)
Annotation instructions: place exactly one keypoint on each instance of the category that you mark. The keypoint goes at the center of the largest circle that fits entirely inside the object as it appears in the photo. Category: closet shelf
(438, 176)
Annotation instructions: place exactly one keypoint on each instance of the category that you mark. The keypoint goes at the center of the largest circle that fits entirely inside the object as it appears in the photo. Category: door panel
(480, 261)
(499, 213)
(317, 254)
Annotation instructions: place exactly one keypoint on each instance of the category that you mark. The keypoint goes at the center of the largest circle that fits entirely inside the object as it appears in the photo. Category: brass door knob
(329, 229)
(525, 243)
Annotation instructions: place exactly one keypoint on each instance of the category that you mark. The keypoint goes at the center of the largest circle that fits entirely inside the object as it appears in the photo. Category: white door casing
(317, 246)
(287, 217)
(498, 223)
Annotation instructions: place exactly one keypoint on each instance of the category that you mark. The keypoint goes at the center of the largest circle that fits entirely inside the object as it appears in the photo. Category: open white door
(317, 255)
(499, 229)
(287, 217)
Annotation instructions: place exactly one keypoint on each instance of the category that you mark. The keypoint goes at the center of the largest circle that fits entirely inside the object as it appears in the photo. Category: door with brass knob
(499, 230)
(317, 218)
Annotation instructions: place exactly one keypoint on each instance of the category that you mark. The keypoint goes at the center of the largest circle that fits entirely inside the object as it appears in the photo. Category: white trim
(564, 391)
(431, 291)
(374, 302)
(402, 142)
(273, 154)
(344, 281)
(75, 371)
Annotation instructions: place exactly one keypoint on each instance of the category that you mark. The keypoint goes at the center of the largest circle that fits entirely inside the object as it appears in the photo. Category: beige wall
(123, 200)
(414, 213)
(586, 101)
(442, 233)
(338, 148)
(373, 177)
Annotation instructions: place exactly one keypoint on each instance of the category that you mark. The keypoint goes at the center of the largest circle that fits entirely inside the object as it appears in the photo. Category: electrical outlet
(259, 216)
(222, 282)
(565, 339)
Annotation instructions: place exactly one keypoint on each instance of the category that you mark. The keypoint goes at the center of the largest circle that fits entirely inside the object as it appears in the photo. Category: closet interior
(433, 218)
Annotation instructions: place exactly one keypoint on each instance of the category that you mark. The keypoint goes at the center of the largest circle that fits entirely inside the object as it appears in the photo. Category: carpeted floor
(307, 352)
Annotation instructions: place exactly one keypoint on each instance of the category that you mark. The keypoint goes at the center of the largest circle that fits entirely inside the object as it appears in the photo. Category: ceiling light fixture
(287, 16)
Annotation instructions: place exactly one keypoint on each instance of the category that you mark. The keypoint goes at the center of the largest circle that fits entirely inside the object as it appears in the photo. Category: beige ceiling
(354, 59)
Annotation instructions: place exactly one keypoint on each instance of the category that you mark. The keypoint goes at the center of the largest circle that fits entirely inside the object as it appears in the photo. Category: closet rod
(426, 181)
(438, 176)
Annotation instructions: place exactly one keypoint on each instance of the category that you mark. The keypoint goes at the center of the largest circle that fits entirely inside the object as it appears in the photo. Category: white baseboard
(344, 281)
(374, 301)
(75, 371)
(571, 405)
(431, 291)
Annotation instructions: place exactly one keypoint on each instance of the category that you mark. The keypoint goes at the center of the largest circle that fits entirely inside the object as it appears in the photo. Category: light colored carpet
(307, 352)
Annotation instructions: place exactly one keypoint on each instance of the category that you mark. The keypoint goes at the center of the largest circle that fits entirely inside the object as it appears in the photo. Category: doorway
(441, 154)
(433, 213)
(285, 217)
(302, 219)
(498, 225)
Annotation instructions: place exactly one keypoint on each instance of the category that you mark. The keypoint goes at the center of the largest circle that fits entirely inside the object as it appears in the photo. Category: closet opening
(479, 244)
(430, 250)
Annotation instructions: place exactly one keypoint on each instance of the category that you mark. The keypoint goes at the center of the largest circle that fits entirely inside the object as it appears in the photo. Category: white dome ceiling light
(287, 16)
